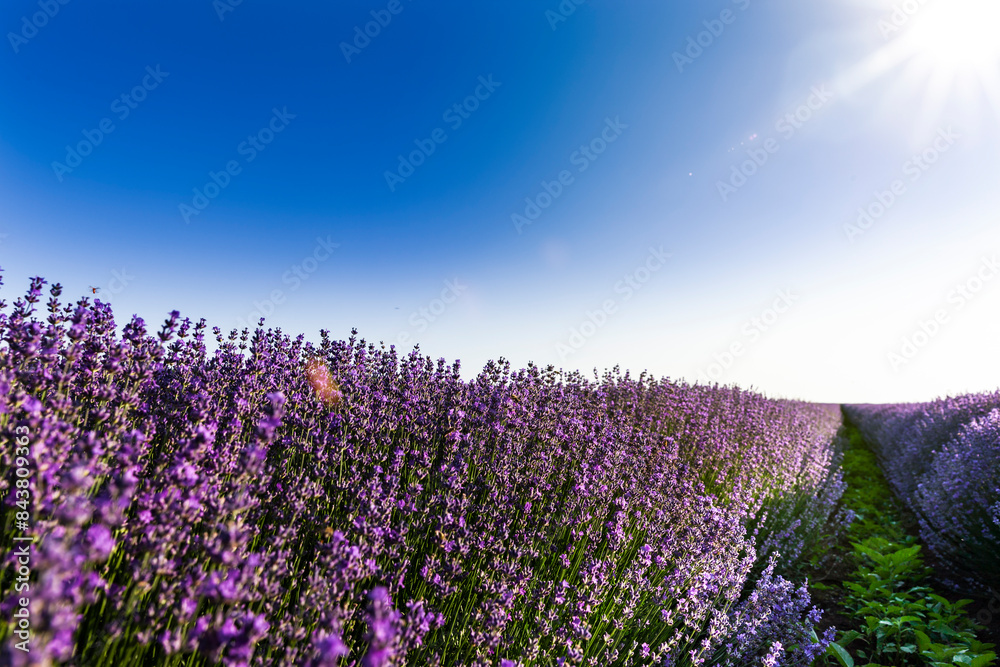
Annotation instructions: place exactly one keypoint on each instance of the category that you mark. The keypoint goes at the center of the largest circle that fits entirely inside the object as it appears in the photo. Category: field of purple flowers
(277, 501)
(942, 459)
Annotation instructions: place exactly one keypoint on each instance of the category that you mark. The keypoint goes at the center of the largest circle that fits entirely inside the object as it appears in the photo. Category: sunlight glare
(956, 34)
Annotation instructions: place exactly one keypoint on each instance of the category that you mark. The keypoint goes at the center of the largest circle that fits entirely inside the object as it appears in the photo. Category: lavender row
(277, 501)
(943, 458)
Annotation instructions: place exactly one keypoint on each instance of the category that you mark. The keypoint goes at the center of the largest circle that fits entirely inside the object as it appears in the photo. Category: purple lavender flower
(941, 459)
(771, 659)
(234, 508)
(101, 542)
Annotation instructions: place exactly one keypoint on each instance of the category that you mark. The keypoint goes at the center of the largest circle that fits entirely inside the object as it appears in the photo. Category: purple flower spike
(383, 628)
(101, 542)
(330, 647)
(342, 503)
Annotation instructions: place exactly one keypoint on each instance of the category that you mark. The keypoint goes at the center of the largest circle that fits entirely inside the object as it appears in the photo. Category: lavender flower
(279, 502)
(941, 459)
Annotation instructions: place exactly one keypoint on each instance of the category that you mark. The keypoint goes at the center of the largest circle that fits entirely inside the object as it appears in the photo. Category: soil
(833, 571)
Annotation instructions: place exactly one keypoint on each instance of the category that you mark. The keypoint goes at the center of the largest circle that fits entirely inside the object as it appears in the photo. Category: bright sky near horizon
(797, 197)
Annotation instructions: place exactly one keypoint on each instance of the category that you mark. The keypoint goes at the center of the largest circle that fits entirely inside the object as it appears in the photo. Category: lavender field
(284, 502)
(943, 460)
(519, 334)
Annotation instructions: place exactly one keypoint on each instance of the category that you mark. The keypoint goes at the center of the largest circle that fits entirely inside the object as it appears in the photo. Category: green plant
(904, 622)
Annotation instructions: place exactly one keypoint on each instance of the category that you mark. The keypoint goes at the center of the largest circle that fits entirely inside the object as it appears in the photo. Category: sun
(931, 59)
(953, 34)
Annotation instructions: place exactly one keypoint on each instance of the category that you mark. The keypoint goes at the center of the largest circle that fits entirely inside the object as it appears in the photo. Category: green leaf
(923, 641)
(904, 555)
(842, 656)
(855, 587)
(849, 637)
(871, 553)
(983, 659)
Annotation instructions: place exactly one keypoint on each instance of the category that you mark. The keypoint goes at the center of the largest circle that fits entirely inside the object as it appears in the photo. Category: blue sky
(697, 204)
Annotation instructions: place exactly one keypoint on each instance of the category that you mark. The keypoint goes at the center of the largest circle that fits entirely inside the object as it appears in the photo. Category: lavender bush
(280, 502)
(943, 458)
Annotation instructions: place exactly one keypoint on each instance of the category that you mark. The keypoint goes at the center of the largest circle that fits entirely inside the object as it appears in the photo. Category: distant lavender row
(279, 502)
(943, 459)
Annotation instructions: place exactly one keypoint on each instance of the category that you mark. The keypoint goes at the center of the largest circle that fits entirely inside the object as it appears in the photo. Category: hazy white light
(956, 34)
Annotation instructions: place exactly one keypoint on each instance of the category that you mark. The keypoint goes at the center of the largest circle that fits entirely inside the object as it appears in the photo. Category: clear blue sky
(634, 129)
